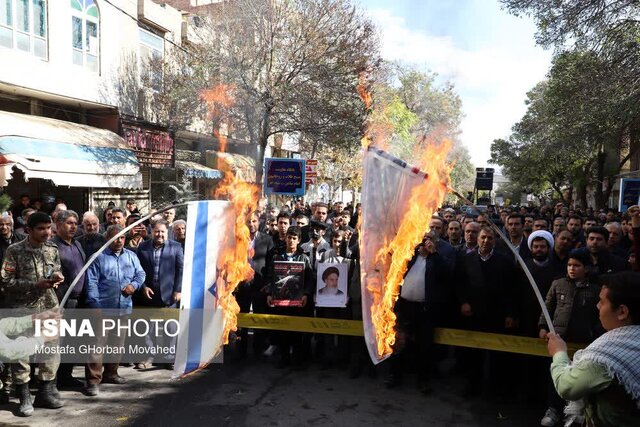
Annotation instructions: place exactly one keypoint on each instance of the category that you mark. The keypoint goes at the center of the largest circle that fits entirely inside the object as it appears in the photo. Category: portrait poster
(289, 283)
(331, 289)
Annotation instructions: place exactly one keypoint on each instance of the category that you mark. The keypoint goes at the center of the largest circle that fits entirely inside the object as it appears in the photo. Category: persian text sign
(284, 177)
(153, 148)
(311, 171)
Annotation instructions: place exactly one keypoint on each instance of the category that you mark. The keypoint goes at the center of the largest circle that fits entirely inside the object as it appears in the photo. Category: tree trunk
(314, 148)
(558, 190)
(263, 140)
(608, 190)
(598, 193)
(581, 191)
(569, 199)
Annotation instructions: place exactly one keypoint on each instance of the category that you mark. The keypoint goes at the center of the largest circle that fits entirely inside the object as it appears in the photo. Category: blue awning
(196, 170)
(66, 153)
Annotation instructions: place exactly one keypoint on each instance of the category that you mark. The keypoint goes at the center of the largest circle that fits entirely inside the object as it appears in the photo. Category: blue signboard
(629, 193)
(284, 177)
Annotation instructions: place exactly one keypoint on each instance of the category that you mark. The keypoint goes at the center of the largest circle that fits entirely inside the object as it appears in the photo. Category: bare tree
(294, 66)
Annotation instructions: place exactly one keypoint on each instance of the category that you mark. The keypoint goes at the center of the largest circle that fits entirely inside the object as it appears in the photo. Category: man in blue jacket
(111, 281)
(162, 261)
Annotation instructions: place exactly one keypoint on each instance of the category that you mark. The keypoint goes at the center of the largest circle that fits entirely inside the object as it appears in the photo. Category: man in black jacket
(72, 259)
(291, 343)
(515, 233)
(563, 244)
(254, 292)
(600, 260)
(419, 306)
(485, 290)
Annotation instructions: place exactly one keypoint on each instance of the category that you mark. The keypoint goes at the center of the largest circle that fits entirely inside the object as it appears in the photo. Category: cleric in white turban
(541, 233)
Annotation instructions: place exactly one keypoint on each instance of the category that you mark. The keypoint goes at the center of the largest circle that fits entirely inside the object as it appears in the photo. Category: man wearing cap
(31, 272)
(132, 207)
(317, 246)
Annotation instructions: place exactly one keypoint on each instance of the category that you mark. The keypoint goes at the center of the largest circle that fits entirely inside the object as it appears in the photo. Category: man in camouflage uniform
(30, 273)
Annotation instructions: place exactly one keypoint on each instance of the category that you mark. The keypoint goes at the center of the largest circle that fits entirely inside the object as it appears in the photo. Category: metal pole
(107, 244)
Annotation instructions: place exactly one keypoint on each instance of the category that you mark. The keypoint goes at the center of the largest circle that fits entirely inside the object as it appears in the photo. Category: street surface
(256, 393)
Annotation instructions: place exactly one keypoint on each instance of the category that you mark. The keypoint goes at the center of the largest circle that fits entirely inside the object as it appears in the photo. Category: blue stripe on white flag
(198, 280)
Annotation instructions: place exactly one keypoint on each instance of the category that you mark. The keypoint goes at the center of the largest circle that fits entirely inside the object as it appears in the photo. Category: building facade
(71, 64)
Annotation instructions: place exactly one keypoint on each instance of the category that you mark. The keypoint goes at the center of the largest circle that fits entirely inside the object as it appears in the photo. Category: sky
(490, 56)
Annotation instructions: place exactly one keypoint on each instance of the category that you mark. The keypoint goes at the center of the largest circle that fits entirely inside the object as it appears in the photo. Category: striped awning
(69, 154)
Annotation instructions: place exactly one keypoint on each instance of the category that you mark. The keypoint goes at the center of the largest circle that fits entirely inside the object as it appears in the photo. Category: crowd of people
(462, 275)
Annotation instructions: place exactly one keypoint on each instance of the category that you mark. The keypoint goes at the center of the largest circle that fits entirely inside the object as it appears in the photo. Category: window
(23, 26)
(151, 53)
(85, 34)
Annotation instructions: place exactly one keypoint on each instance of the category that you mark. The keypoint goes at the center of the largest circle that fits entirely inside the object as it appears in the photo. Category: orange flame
(233, 262)
(363, 92)
(219, 99)
(367, 99)
(424, 201)
(222, 139)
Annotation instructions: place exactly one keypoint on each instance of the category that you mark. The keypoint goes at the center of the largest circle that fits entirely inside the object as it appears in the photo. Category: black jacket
(488, 287)
(15, 238)
(528, 305)
(263, 251)
(524, 251)
(607, 263)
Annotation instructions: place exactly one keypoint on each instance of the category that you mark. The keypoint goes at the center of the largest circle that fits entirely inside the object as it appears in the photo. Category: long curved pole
(532, 282)
(107, 244)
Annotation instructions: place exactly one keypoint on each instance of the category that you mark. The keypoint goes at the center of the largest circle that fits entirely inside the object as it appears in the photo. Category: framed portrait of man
(332, 285)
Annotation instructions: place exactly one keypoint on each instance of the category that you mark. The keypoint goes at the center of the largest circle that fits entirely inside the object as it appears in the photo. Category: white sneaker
(551, 418)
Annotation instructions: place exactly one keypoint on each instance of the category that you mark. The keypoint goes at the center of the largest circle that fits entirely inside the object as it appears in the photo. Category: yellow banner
(444, 336)
(454, 337)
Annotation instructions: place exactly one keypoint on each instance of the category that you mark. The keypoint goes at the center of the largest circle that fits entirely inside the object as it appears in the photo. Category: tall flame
(219, 99)
(362, 90)
(424, 201)
(222, 139)
(233, 261)
(367, 99)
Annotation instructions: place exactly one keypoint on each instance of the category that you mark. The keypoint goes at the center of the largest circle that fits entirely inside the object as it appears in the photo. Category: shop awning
(196, 170)
(66, 153)
(243, 167)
